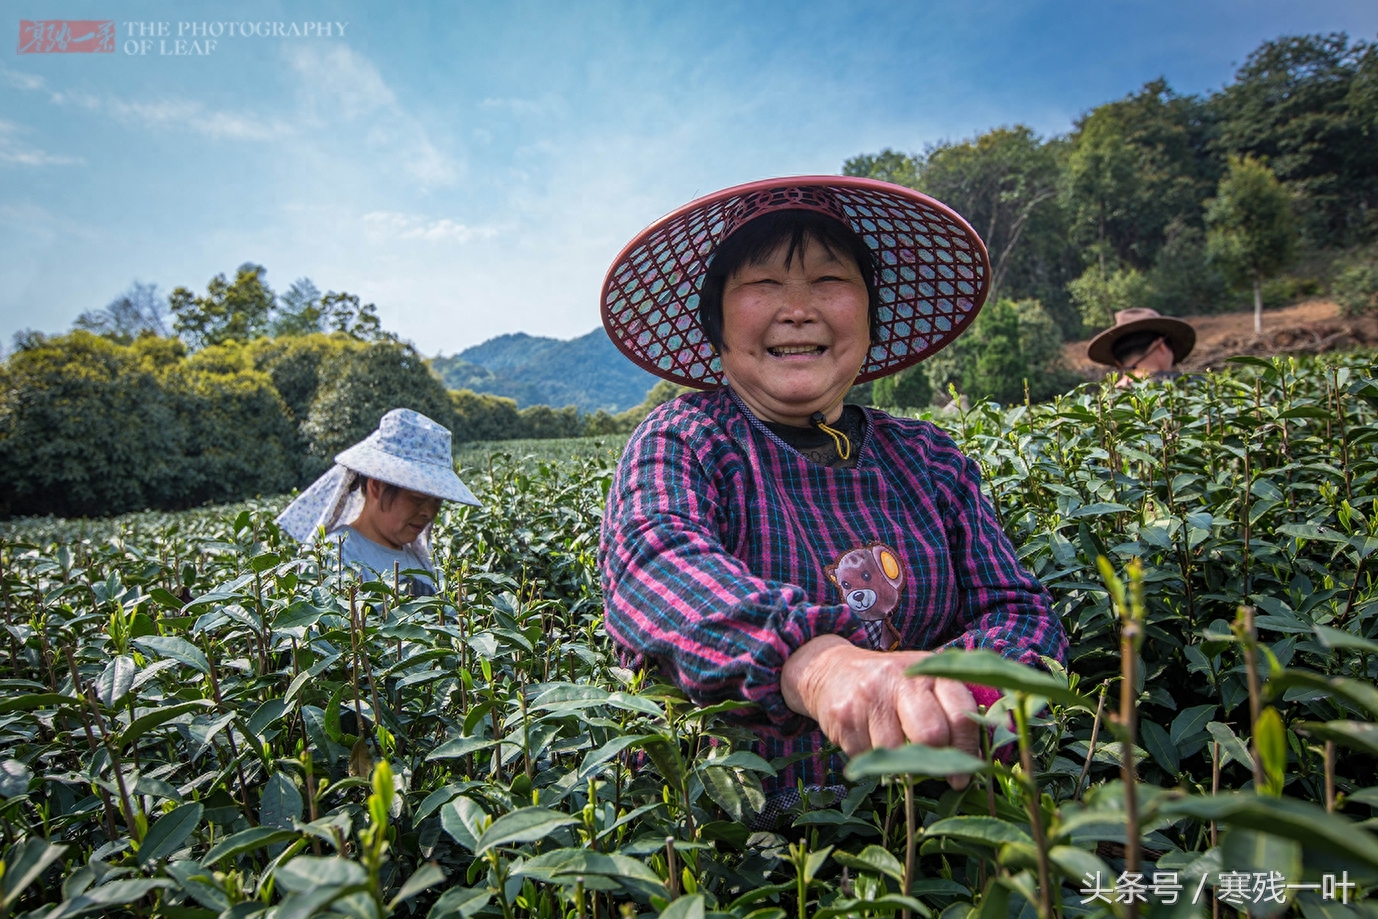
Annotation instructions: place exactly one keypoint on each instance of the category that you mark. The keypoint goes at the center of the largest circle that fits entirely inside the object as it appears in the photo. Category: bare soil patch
(1313, 327)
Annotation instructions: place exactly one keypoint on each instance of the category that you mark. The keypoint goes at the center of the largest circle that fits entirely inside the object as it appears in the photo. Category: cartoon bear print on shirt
(870, 578)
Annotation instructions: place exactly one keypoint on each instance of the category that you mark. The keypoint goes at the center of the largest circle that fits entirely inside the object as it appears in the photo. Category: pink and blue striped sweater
(724, 549)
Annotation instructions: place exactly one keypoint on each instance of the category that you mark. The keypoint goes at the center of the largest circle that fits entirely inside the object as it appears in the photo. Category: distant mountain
(588, 372)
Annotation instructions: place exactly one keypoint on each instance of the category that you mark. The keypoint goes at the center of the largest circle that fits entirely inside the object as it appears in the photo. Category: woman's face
(795, 337)
(397, 521)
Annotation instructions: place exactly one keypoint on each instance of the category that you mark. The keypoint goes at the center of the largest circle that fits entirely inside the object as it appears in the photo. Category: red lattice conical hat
(932, 272)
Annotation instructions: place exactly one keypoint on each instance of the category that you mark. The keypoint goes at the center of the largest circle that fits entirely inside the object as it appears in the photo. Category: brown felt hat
(1181, 337)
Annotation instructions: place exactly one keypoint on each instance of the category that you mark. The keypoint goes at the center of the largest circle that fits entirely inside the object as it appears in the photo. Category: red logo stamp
(66, 36)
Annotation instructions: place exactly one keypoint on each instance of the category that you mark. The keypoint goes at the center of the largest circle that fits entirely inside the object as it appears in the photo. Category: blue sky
(473, 168)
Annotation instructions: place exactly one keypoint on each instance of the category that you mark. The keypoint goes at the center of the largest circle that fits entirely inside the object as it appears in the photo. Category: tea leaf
(986, 668)
(527, 824)
(915, 759)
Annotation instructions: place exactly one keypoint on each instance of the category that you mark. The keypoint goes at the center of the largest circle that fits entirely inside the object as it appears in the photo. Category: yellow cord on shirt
(820, 421)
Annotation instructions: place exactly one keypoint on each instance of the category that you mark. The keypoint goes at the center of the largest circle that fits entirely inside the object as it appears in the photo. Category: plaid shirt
(716, 539)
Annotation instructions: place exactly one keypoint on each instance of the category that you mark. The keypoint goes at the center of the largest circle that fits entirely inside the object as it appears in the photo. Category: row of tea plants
(200, 718)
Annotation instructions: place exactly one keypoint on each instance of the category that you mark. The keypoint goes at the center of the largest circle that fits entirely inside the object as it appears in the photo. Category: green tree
(90, 427)
(480, 416)
(1306, 104)
(1010, 345)
(86, 429)
(1133, 167)
(1355, 288)
(1101, 186)
(1040, 344)
(230, 311)
(909, 388)
(887, 166)
(542, 422)
(1183, 282)
(358, 387)
(240, 437)
(1004, 184)
(1251, 232)
(296, 366)
(298, 310)
(997, 182)
(1099, 294)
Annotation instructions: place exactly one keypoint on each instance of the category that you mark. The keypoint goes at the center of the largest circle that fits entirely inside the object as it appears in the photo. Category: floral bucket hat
(932, 272)
(408, 450)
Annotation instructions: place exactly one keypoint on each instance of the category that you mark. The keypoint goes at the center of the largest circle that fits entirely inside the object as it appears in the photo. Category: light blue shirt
(373, 560)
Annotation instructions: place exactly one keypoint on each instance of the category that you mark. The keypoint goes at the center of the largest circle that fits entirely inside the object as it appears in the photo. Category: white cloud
(167, 112)
(335, 78)
(14, 150)
(338, 83)
(195, 116)
(392, 225)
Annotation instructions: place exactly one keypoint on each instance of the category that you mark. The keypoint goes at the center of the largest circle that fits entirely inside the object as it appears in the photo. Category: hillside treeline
(1263, 192)
(90, 426)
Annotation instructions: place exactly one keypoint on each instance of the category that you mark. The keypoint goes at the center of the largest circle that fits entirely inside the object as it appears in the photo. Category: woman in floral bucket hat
(763, 541)
(381, 497)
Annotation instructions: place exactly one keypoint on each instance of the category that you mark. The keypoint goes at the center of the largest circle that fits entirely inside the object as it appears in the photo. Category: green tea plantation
(200, 718)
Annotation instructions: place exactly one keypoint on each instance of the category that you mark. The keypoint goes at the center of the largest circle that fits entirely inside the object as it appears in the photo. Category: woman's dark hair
(753, 242)
(385, 499)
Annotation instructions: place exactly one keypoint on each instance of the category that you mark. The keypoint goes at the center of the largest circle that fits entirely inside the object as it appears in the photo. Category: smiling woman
(762, 541)
(380, 498)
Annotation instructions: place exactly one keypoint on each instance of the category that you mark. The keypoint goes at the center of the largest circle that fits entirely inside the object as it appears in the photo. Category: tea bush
(202, 719)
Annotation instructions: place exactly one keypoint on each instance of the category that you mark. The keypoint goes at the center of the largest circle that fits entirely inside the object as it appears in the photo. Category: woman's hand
(862, 699)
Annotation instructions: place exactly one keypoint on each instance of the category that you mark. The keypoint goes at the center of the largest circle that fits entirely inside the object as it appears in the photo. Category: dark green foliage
(1356, 286)
(230, 311)
(1306, 104)
(1134, 166)
(1134, 175)
(86, 428)
(483, 417)
(887, 166)
(1011, 344)
(907, 389)
(296, 365)
(359, 387)
(91, 428)
(240, 438)
(1182, 281)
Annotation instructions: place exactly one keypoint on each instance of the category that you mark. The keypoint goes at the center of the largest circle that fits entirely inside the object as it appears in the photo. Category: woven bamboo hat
(1181, 337)
(932, 272)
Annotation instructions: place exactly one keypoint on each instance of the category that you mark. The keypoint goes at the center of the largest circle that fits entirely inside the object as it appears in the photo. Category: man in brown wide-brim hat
(1142, 344)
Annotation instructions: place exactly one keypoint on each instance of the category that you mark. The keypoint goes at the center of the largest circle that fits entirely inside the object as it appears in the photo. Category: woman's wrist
(807, 669)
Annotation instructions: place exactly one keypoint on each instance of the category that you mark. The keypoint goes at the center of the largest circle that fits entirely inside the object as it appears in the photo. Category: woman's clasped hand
(862, 699)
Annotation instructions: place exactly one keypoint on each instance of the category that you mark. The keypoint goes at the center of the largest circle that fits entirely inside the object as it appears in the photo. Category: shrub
(90, 427)
(1355, 288)
(1009, 344)
(1099, 294)
(907, 389)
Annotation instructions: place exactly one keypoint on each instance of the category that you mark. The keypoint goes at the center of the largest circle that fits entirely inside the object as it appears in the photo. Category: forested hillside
(587, 372)
(1260, 194)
